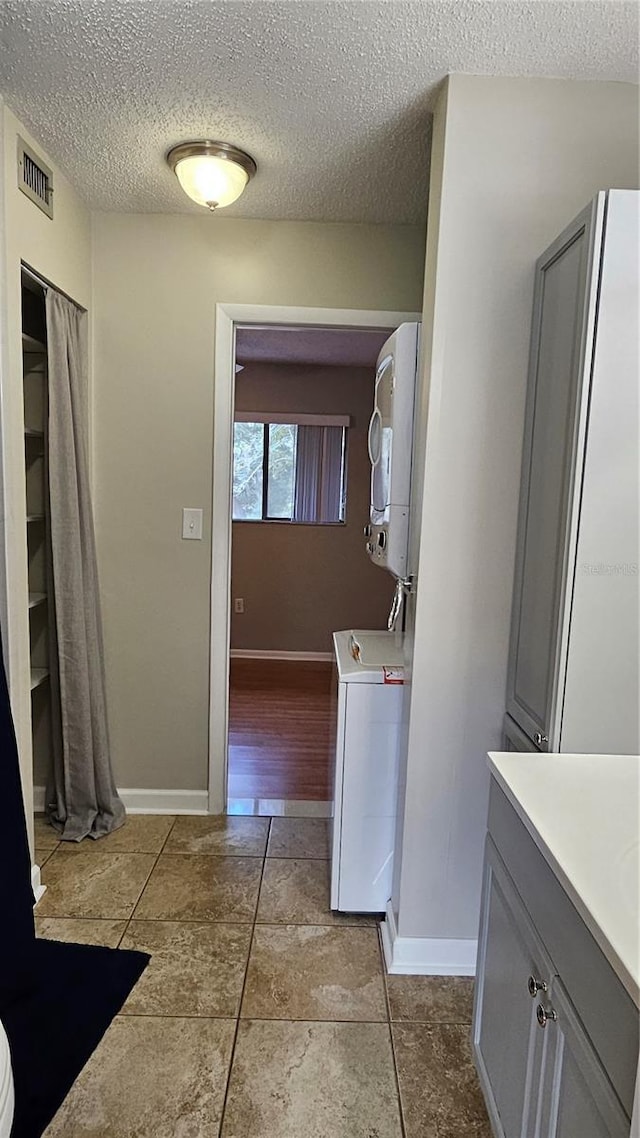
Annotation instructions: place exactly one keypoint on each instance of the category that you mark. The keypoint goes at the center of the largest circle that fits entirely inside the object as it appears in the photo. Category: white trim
(36, 883)
(276, 654)
(425, 956)
(144, 801)
(150, 801)
(227, 317)
(281, 807)
(299, 418)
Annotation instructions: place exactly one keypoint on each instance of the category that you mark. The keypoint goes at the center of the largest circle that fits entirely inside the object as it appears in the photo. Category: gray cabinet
(576, 1099)
(560, 314)
(507, 1045)
(572, 645)
(514, 738)
(555, 1037)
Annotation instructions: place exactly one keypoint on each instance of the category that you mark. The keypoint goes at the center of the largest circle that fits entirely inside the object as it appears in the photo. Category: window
(291, 471)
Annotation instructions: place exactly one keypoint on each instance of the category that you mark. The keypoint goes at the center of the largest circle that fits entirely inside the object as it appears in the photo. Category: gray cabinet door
(575, 1099)
(554, 427)
(506, 1040)
(514, 738)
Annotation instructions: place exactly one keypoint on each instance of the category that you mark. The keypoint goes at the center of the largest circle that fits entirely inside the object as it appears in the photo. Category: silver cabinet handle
(536, 986)
(543, 1015)
(539, 738)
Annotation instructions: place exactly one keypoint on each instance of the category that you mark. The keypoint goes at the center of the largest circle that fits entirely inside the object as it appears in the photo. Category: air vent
(35, 178)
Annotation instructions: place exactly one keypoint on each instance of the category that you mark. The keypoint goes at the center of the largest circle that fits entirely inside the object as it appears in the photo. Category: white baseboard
(264, 654)
(425, 956)
(143, 801)
(36, 883)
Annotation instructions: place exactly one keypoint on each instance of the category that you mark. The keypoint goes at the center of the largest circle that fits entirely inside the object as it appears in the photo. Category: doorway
(245, 330)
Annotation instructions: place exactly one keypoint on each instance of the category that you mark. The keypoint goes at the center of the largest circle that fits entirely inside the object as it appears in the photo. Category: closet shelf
(38, 676)
(29, 344)
(33, 433)
(35, 518)
(36, 599)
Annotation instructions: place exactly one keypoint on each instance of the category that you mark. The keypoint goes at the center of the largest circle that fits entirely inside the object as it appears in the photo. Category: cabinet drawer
(606, 1010)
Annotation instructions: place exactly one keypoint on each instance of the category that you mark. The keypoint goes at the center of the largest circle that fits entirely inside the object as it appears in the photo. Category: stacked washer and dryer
(369, 664)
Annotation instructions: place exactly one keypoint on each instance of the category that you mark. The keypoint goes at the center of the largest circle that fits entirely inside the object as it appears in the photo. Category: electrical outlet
(238, 604)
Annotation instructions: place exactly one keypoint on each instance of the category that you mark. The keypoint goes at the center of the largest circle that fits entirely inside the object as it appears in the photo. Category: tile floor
(261, 1014)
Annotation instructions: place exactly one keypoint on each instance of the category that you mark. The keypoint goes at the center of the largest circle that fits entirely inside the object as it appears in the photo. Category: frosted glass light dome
(213, 174)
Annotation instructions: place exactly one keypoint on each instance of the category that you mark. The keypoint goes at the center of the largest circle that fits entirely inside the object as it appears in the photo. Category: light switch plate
(192, 524)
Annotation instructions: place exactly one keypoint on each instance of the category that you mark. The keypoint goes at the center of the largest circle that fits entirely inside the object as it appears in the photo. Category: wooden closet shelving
(35, 380)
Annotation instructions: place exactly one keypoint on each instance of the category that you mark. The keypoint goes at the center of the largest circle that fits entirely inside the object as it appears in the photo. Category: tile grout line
(115, 853)
(136, 902)
(244, 984)
(257, 1019)
(403, 1128)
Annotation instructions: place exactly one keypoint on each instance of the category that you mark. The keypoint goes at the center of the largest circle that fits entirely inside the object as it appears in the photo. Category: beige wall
(514, 162)
(157, 280)
(59, 250)
(302, 582)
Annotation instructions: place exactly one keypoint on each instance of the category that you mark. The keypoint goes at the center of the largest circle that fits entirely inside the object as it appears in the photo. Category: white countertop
(583, 812)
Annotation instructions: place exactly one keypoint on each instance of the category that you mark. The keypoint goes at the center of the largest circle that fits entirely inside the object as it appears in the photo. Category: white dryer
(369, 709)
(390, 450)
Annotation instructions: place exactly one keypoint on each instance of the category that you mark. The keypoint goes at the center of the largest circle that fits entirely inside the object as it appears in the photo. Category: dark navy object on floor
(56, 1000)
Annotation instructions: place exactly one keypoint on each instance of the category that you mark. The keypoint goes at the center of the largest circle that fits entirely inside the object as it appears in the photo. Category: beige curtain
(82, 799)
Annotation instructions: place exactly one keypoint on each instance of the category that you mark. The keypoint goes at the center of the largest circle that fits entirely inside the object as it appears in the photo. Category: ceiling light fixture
(213, 174)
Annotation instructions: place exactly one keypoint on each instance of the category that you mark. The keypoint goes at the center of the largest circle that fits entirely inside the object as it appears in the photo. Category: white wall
(60, 251)
(514, 160)
(157, 281)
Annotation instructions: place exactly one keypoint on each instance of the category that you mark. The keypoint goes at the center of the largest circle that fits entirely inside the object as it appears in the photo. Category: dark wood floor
(280, 732)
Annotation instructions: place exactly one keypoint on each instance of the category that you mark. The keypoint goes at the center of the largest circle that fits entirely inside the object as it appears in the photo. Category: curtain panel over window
(319, 475)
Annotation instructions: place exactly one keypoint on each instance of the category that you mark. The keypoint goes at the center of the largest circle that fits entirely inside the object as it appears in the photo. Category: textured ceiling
(333, 100)
(343, 347)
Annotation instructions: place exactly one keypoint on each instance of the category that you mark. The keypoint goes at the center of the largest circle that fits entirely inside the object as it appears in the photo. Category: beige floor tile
(312, 1080)
(313, 972)
(195, 969)
(295, 891)
(79, 931)
(201, 888)
(431, 999)
(141, 833)
(43, 855)
(151, 1078)
(46, 838)
(299, 837)
(439, 1089)
(93, 885)
(222, 834)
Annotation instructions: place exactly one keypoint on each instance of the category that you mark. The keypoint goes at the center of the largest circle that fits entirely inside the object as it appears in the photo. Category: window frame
(297, 419)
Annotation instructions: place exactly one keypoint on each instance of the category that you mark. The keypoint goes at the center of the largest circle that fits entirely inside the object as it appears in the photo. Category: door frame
(228, 318)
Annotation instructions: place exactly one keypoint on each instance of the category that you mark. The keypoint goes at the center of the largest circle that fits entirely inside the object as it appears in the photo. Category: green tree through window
(269, 474)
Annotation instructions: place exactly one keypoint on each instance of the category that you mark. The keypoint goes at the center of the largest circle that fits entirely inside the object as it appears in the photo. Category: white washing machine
(369, 710)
